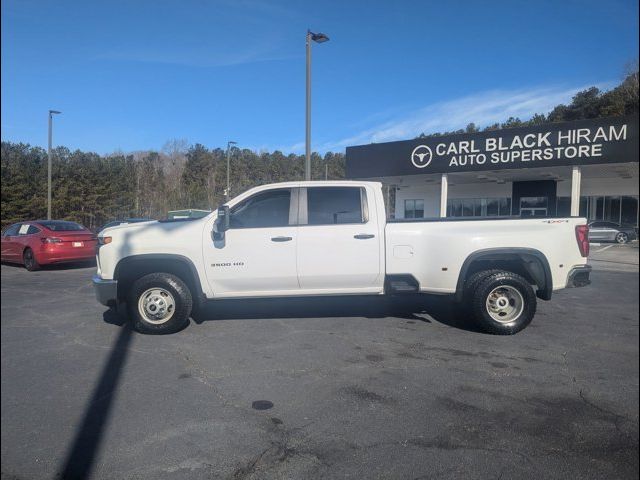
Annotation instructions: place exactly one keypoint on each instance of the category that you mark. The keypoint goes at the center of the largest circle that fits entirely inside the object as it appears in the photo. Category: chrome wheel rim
(505, 304)
(156, 305)
(621, 237)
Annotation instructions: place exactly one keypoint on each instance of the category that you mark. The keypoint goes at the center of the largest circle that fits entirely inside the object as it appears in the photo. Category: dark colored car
(43, 242)
(600, 231)
(115, 223)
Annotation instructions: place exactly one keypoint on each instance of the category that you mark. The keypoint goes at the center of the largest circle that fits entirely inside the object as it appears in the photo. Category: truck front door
(258, 254)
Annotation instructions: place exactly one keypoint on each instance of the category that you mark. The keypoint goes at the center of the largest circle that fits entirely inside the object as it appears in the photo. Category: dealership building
(585, 167)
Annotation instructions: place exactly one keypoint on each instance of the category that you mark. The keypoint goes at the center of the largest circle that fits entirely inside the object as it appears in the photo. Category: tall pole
(49, 167)
(307, 158)
(229, 170)
(51, 114)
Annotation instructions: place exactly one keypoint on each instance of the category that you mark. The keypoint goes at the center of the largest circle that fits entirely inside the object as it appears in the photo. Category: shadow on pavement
(56, 266)
(83, 451)
(421, 308)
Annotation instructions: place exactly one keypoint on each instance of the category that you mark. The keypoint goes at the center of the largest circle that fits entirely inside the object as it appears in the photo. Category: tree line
(93, 189)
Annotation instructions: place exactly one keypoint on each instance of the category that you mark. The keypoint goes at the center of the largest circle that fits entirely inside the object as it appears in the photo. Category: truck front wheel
(503, 303)
(159, 303)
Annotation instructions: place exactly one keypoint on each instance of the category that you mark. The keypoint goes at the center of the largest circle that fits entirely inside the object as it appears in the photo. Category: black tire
(517, 295)
(154, 286)
(474, 280)
(29, 260)
(622, 237)
(463, 310)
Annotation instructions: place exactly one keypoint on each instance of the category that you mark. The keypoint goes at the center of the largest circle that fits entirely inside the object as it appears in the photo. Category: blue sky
(131, 75)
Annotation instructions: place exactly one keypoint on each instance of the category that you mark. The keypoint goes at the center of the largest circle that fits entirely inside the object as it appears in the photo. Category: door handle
(281, 239)
(364, 236)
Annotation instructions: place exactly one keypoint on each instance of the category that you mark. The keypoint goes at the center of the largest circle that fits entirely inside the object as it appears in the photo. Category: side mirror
(222, 223)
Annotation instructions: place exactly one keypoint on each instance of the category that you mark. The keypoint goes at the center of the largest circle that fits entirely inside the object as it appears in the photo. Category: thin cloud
(254, 39)
(484, 108)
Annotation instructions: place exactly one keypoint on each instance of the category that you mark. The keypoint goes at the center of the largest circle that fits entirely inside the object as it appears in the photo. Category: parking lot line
(603, 249)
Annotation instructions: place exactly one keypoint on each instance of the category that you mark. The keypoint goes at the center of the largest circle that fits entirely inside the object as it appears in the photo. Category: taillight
(582, 236)
(50, 240)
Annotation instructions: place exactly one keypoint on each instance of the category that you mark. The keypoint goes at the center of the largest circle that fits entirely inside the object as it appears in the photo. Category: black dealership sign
(582, 142)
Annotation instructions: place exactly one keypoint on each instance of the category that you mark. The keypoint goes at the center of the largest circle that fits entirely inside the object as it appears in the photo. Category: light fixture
(319, 37)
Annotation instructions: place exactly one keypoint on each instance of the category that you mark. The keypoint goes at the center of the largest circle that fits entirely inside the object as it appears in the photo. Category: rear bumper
(579, 276)
(61, 252)
(106, 291)
(65, 259)
(61, 255)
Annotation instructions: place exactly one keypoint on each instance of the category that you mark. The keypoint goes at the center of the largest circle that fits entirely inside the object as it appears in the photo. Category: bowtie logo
(421, 156)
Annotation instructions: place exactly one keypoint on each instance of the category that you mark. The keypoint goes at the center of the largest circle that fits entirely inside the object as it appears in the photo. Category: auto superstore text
(532, 147)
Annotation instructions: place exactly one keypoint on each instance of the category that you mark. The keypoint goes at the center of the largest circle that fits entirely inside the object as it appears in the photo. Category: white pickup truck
(333, 238)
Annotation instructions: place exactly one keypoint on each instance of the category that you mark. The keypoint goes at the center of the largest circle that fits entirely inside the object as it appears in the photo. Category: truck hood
(125, 226)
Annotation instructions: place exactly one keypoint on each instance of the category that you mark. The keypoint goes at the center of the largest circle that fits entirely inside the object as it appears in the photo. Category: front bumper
(579, 276)
(106, 291)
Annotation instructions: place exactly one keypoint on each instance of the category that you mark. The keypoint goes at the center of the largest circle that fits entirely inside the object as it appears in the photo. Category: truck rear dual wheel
(501, 302)
(159, 303)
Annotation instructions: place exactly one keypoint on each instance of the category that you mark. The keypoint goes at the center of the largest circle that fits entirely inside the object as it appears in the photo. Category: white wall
(430, 193)
(480, 190)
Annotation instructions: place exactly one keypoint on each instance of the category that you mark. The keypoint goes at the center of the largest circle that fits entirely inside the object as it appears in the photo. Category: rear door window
(335, 205)
(28, 230)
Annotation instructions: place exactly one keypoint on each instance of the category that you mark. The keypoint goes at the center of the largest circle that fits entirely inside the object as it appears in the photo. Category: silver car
(610, 232)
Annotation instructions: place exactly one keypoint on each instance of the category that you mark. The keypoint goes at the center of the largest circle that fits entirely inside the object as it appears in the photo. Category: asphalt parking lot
(328, 388)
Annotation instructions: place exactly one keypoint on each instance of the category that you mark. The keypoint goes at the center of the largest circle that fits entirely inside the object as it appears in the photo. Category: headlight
(104, 240)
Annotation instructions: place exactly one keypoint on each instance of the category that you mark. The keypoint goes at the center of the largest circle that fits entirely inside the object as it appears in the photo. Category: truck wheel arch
(132, 267)
(528, 262)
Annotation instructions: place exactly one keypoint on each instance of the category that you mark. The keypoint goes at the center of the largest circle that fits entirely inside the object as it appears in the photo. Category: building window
(629, 211)
(479, 207)
(622, 210)
(563, 206)
(414, 209)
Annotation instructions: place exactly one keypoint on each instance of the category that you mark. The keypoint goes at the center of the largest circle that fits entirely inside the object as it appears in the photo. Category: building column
(444, 193)
(576, 178)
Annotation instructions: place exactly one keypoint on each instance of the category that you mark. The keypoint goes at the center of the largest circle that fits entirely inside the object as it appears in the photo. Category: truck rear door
(338, 241)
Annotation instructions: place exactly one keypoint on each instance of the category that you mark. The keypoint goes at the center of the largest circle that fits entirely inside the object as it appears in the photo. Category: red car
(47, 241)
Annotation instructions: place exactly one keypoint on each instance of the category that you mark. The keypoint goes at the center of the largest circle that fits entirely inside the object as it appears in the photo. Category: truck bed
(443, 245)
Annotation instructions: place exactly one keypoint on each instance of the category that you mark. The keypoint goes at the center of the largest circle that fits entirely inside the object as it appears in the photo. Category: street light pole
(51, 114)
(228, 169)
(318, 38)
